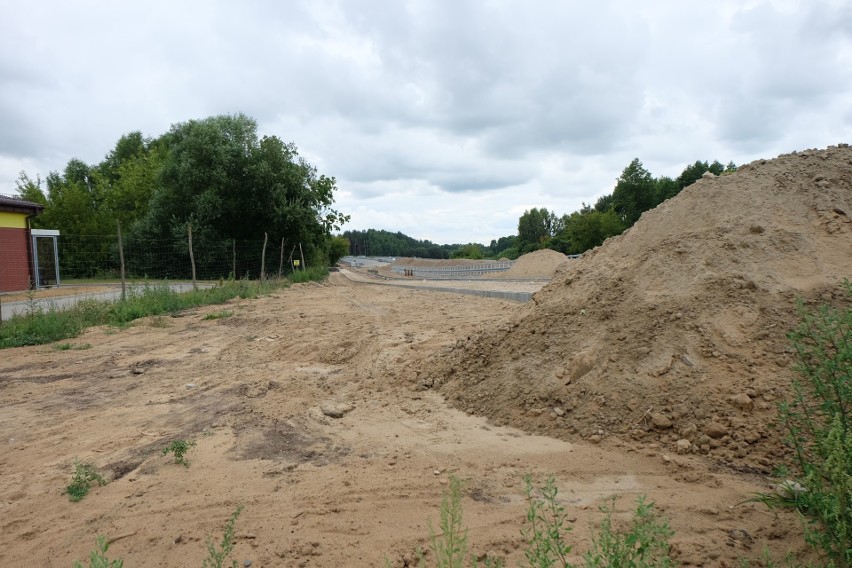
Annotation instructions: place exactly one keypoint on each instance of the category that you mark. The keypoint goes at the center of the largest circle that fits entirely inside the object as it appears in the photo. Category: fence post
(234, 259)
(281, 260)
(121, 259)
(303, 255)
(263, 258)
(191, 256)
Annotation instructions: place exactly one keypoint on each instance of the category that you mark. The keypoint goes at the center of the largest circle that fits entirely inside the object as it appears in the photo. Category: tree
(634, 192)
(535, 229)
(586, 229)
(219, 176)
(470, 250)
(338, 247)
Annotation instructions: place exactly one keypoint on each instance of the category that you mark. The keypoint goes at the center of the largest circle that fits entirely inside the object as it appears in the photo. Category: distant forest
(635, 192)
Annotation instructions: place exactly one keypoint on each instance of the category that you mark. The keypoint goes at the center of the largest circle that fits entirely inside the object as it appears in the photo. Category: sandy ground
(254, 390)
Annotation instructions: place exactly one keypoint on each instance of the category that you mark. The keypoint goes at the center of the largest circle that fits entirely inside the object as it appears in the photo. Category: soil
(673, 334)
(539, 264)
(335, 412)
(311, 408)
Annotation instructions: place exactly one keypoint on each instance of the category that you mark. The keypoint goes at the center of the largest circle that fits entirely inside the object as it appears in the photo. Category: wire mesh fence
(99, 256)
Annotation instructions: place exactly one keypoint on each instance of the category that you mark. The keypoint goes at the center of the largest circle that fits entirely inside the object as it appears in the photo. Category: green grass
(67, 346)
(218, 315)
(42, 326)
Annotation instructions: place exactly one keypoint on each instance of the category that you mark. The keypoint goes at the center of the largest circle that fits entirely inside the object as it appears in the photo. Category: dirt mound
(674, 330)
(539, 264)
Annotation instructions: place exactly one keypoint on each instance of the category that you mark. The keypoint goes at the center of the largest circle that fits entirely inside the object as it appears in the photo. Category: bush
(817, 421)
(84, 475)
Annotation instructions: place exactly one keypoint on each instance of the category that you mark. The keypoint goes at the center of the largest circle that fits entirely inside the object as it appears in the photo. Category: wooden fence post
(191, 256)
(263, 258)
(121, 259)
(281, 260)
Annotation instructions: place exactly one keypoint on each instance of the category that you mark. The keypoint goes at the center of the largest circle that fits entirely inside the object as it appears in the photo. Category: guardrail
(456, 271)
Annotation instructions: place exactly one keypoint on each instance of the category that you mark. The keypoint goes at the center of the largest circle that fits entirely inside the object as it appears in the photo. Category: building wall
(14, 257)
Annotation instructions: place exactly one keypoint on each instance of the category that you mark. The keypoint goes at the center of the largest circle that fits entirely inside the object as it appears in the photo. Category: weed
(450, 546)
(545, 531)
(72, 346)
(818, 422)
(98, 558)
(218, 315)
(644, 544)
(179, 449)
(216, 556)
(159, 322)
(450, 549)
(40, 326)
(84, 475)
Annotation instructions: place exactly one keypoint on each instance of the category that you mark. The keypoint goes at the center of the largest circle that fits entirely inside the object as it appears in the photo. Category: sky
(444, 120)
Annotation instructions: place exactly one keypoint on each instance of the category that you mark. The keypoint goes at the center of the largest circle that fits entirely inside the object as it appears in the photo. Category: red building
(16, 259)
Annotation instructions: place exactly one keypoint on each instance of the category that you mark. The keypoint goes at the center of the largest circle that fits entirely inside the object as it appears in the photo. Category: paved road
(10, 309)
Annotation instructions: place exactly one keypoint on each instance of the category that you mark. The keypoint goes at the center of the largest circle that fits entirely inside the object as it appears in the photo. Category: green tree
(535, 229)
(634, 192)
(665, 188)
(338, 247)
(219, 176)
(470, 250)
(586, 229)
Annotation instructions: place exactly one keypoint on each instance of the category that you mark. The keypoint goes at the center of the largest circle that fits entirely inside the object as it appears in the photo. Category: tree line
(636, 191)
(215, 174)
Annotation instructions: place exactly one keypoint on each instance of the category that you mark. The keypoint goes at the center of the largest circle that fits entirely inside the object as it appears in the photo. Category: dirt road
(259, 391)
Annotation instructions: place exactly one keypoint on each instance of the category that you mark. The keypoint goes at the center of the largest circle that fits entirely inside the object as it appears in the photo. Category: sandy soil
(255, 391)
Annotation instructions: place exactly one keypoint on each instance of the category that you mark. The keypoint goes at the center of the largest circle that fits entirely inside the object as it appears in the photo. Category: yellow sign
(295, 263)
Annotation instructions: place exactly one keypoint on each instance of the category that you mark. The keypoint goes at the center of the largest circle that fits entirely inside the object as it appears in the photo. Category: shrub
(84, 475)
(179, 449)
(817, 421)
(545, 528)
(645, 543)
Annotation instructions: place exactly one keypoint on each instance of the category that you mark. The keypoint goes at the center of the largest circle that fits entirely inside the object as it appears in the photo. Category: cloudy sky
(441, 119)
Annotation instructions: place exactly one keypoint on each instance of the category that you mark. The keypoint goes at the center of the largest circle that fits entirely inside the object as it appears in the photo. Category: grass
(218, 315)
(84, 475)
(72, 346)
(41, 326)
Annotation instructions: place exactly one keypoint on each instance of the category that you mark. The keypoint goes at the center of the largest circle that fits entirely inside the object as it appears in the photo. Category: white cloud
(444, 120)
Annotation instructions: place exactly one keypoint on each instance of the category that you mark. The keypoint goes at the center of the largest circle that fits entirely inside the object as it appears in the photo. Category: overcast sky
(441, 119)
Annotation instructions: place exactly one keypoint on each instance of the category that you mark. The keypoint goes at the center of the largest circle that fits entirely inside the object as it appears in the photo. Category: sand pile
(539, 264)
(674, 332)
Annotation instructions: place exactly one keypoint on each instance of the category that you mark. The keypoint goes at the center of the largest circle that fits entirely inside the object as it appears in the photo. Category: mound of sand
(539, 264)
(674, 332)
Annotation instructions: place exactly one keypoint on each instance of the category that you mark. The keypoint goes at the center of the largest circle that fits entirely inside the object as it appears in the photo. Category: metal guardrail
(457, 271)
